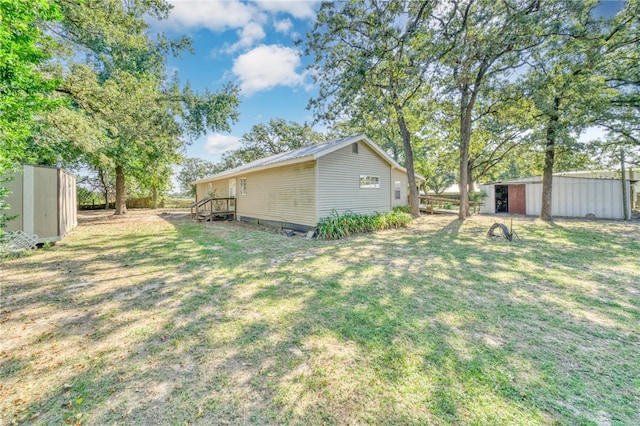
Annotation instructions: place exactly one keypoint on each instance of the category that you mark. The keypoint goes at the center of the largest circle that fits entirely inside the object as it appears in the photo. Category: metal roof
(300, 155)
(538, 179)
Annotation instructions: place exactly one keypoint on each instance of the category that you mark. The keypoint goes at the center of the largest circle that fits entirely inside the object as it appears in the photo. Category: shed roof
(538, 179)
(301, 155)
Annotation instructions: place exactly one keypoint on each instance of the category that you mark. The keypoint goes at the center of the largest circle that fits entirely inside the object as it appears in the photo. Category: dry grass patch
(151, 319)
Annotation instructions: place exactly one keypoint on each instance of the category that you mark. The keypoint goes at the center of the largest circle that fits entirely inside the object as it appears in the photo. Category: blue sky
(252, 45)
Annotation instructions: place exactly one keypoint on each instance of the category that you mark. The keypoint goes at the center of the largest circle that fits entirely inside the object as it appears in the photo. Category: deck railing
(431, 204)
(211, 208)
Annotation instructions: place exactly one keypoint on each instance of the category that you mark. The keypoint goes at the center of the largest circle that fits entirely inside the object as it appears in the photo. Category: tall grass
(339, 226)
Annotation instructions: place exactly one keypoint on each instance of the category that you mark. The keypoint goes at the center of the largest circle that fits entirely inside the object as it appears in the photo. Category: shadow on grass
(225, 324)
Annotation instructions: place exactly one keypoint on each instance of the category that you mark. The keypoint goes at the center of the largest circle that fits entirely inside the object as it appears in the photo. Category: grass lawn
(151, 320)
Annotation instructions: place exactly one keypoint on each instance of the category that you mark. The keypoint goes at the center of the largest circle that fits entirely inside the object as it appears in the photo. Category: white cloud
(250, 34)
(265, 67)
(283, 26)
(222, 15)
(302, 9)
(218, 143)
(215, 15)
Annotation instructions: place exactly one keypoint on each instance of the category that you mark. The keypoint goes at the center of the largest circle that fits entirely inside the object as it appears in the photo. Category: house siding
(219, 187)
(339, 182)
(284, 194)
(398, 175)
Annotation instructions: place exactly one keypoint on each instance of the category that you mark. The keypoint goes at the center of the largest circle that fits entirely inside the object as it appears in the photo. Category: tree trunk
(408, 155)
(154, 196)
(625, 209)
(549, 158)
(465, 138)
(121, 200)
(105, 188)
(470, 189)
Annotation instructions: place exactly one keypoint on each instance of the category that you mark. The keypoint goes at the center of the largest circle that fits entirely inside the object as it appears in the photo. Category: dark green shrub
(402, 209)
(339, 226)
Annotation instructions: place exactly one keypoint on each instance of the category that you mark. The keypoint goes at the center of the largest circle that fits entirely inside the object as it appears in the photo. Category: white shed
(571, 197)
(43, 199)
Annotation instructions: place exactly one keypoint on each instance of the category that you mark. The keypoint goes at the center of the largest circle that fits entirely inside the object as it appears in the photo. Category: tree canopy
(273, 137)
(369, 60)
(136, 118)
(23, 90)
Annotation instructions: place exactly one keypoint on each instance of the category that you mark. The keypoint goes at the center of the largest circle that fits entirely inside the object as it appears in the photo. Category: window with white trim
(369, 182)
(243, 186)
(397, 189)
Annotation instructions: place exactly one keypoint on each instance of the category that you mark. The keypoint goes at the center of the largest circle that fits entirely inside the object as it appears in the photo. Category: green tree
(274, 137)
(369, 57)
(622, 74)
(566, 84)
(478, 43)
(192, 170)
(23, 88)
(121, 92)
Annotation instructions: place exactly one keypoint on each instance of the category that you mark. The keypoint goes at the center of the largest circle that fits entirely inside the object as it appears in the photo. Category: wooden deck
(209, 209)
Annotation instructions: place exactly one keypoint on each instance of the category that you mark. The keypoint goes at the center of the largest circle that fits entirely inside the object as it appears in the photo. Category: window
(243, 186)
(397, 189)
(354, 147)
(368, 182)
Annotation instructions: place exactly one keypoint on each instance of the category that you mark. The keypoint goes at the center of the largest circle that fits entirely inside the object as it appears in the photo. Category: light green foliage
(265, 139)
(339, 226)
(138, 118)
(191, 170)
(567, 81)
(369, 61)
(23, 88)
(621, 72)
(478, 43)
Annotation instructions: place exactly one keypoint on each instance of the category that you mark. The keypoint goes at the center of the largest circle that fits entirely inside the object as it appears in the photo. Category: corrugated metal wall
(579, 197)
(489, 203)
(45, 202)
(571, 197)
(67, 202)
(339, 182)
(45, 199)
(15, 200)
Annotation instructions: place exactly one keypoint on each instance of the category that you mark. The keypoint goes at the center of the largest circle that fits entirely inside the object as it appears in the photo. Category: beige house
(296, 189)
(44, 201)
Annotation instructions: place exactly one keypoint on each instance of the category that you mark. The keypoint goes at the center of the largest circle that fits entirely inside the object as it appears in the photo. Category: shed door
(517, 199)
